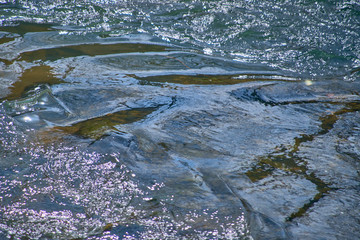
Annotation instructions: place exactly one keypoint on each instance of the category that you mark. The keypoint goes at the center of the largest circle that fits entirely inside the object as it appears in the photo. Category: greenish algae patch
(6, 39)
(287, 160)
(96, 127)
(52, 54)
(31, 77)
(268, 164)
(25, 27)
(293, 164)
(203, 79)
(322, 189)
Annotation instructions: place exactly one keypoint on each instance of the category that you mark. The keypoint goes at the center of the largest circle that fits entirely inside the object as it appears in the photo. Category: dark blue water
(179, 119)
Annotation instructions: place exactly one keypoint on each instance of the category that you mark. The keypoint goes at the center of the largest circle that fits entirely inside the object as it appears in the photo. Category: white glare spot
(308, 82)
(32, 118)
(140, 30)
(208, 51)
(27, 119)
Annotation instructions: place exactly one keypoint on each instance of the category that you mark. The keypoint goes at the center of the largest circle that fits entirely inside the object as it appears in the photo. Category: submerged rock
(301, 92)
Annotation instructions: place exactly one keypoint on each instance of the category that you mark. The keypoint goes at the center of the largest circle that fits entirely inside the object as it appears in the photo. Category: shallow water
(179, 120)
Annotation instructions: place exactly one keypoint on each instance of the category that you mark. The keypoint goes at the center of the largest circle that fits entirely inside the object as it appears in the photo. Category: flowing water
(179, 119)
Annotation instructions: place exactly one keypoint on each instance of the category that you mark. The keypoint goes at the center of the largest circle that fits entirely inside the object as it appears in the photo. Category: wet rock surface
(138, 135)
(276, 155)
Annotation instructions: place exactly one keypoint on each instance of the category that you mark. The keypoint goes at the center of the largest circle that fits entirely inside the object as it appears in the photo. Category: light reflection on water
(307, 38)
(131, 120)
(60, 191)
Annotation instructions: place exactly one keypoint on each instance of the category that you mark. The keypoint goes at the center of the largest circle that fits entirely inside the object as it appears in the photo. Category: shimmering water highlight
(179, 119)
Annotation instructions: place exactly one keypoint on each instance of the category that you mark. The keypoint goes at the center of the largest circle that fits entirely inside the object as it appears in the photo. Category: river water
(179, 119)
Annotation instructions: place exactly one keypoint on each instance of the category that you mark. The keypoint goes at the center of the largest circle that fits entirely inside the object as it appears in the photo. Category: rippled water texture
(179, 119)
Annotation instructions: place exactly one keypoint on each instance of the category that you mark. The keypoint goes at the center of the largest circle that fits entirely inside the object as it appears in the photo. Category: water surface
(179, 120)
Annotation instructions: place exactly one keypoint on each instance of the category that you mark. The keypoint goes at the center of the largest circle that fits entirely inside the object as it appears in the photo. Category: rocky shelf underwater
(134, 137)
